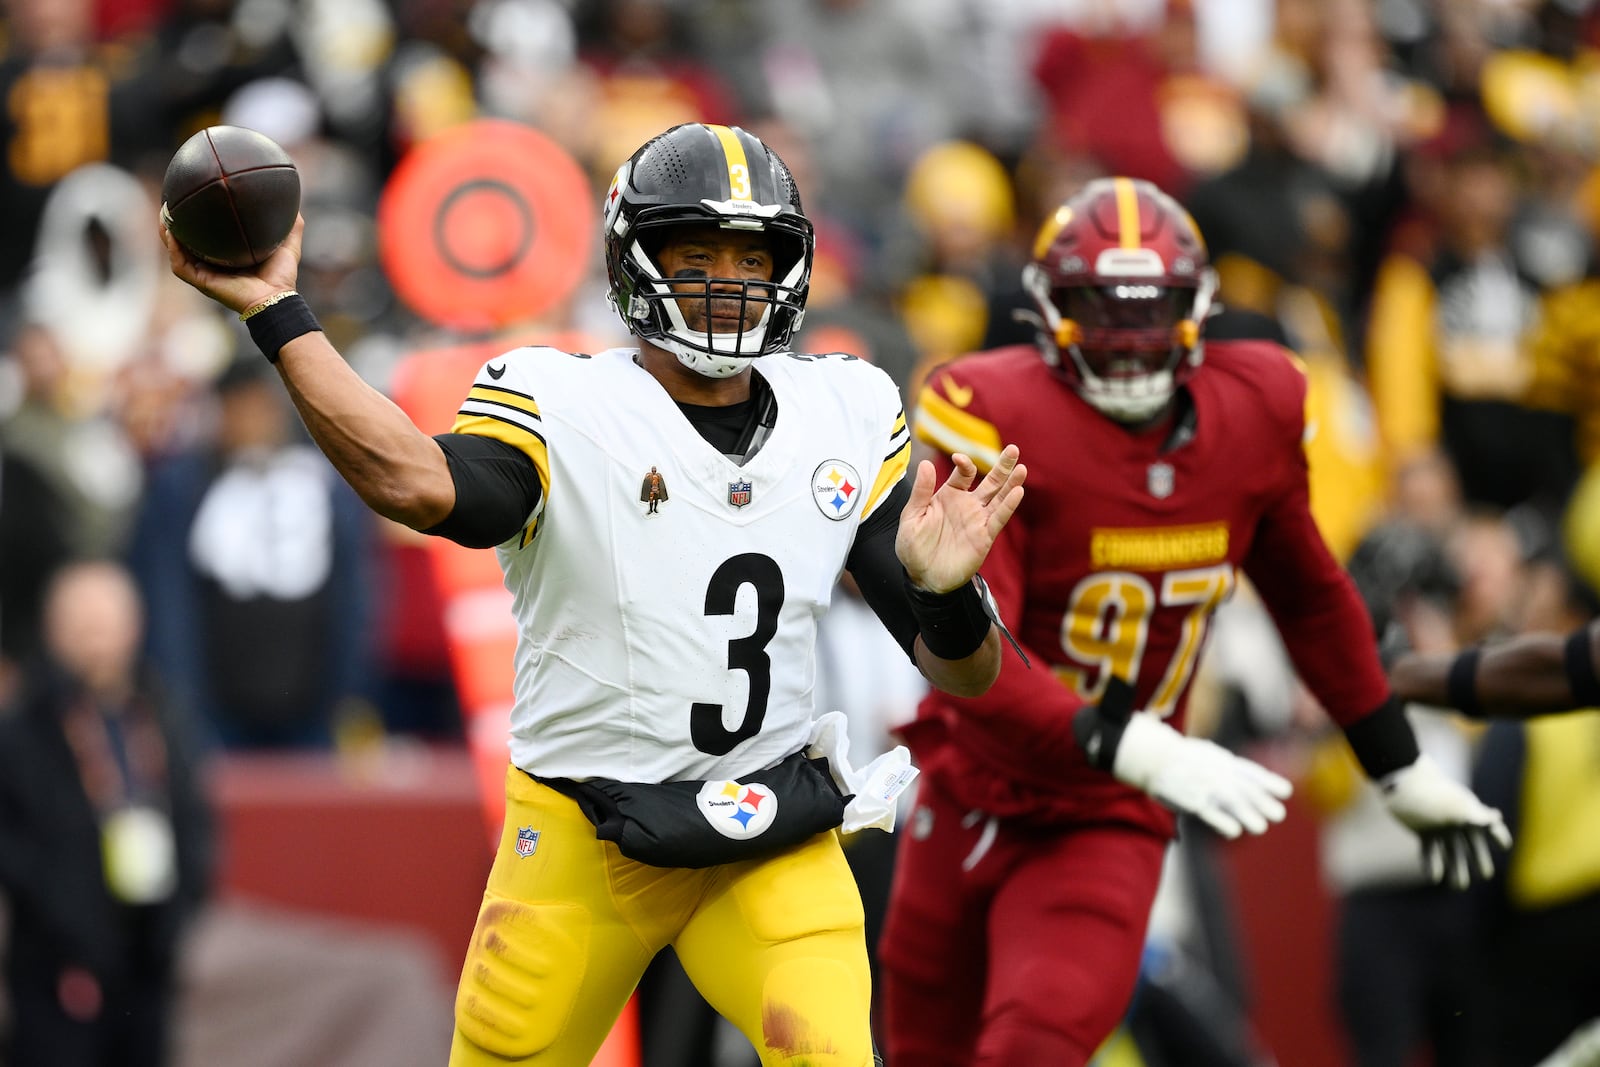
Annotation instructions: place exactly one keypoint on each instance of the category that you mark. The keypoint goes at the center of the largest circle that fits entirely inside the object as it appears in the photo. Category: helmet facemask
(1130, 343)
(715, 325)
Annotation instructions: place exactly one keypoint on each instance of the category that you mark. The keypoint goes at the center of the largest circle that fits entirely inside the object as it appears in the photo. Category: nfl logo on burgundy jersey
(1158, 479)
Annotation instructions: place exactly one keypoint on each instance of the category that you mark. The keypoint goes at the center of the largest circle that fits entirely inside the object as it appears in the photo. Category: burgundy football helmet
(1122, 284)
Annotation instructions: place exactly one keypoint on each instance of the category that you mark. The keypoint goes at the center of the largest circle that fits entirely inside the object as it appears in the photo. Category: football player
(660, 791)
(1162, 467)
(1523, 676)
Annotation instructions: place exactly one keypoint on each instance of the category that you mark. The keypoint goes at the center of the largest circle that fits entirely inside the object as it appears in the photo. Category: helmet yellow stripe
(1047, 233)
(1127, 213)
(738, 165)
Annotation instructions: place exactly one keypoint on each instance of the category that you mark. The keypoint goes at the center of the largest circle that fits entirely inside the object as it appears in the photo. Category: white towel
(875, 786)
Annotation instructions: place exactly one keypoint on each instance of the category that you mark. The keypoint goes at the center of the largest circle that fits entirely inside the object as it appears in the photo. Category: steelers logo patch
(836, 487)
(739, 811)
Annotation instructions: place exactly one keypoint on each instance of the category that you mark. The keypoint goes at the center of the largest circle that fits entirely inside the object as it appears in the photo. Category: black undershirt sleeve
(876, 568)
(497, 488)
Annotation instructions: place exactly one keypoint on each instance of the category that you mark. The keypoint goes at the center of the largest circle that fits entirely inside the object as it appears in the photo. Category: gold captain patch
(1158, 548)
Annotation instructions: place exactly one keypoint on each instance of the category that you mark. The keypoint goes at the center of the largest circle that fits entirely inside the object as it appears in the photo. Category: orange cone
(622, 1047)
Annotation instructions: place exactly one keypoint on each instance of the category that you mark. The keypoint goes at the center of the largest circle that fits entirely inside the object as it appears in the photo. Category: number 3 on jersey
(1107, 628)
(748, 654)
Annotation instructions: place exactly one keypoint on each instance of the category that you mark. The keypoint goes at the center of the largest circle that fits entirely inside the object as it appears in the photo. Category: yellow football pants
(565, 931)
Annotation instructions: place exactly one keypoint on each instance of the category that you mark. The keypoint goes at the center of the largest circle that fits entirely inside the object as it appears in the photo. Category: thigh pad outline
(522, 974)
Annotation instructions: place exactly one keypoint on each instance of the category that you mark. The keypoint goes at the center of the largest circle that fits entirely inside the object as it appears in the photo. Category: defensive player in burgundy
(1163, 469)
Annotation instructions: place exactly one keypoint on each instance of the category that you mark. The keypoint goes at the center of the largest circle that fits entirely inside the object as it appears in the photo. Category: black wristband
(1098, 728)
(1461, 684)
(279, 323)
(1383, 741)
(1579, 662)
(953, 625)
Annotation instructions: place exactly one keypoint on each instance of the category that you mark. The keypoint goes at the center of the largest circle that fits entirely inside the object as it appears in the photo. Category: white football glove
(1230, 793)
(1456, 827)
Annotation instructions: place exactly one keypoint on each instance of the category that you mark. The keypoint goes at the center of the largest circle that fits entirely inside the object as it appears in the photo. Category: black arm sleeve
(876, 568)
(497, 488)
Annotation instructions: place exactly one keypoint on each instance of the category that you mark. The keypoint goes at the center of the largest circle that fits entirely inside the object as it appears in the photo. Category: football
(230, 196)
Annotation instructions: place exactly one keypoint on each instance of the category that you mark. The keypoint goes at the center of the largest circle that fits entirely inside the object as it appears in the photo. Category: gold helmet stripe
(738, 165)
(1127, 212)
(1047, 233)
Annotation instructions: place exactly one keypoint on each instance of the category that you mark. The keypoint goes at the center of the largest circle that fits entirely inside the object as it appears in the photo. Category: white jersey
(667, 597)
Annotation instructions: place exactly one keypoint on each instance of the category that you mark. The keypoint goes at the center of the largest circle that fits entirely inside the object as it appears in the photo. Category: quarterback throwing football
(672, 520)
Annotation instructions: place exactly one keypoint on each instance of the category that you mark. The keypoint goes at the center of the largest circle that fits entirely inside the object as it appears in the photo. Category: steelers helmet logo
(836, 487)
(738, 810)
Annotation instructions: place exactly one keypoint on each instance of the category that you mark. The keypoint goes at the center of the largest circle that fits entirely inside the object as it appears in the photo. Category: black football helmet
(1121, 282)
(699, 173)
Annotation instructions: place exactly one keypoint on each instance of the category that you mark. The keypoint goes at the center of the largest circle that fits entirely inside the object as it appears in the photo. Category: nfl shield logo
(1158, 479)
(527, 841)
(738, 493)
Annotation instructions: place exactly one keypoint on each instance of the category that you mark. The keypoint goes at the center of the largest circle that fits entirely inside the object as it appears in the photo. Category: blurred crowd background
(1405, 191)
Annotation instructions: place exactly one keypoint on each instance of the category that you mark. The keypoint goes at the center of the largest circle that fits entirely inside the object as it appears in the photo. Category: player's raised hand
(238, 289)
(946, 533)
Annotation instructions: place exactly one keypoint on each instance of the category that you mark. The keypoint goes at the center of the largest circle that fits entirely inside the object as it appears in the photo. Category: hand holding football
(230, 196)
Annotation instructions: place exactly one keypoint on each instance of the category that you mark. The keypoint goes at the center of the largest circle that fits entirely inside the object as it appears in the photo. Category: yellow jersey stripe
(738, 165)
(491, 394)
(1127, 212)
(946, 427)
(513, 434)
(893, 469)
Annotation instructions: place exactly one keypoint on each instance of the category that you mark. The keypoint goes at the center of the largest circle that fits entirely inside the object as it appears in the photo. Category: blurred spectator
(202, 51)
(1330, 88)
(648, 76)
(70, 439)
(869, 84)
(104, 837)
(69, 102)
(961, 208)
(1448, 351)
(33, 543)
(1137, 98)
(1486, 552)
(253, 556)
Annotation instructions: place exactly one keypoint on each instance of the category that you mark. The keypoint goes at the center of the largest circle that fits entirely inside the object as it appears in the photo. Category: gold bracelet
(256, 309)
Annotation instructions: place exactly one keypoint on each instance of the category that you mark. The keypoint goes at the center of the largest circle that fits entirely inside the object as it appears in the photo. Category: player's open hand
(1459, 833)
(946, 534)
(238, 289)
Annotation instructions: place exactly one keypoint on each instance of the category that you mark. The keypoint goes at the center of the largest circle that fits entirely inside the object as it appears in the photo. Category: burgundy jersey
(1123, 548)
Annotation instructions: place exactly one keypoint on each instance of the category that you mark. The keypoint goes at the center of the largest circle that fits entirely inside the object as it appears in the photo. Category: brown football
(230, 196)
